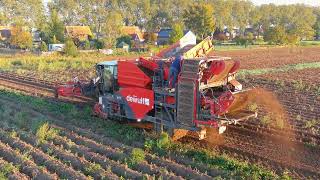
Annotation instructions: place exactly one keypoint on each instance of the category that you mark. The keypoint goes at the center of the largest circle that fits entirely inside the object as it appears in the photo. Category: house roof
(164, 33)
(132, 31)
(5, 32)
(78, 31)
(123, 45)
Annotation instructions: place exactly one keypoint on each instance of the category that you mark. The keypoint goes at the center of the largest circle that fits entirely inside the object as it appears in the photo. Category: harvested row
(91, 140)
(28, 167)
(89, 153)
(7, 172)
(53, 165)
(77, 163)
(153, 161)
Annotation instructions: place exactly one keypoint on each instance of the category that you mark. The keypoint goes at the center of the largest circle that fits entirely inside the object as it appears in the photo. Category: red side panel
(217, 67)
(235, 67)
(140, 100)
(150, 64)
(130, 75)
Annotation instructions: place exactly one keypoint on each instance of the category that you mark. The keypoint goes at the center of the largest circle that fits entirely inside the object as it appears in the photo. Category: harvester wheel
(97, 109)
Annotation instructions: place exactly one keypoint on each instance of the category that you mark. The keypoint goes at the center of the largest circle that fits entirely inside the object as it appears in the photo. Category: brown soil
(272, 57)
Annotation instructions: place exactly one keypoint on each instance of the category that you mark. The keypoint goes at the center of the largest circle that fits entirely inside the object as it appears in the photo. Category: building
(135, 32)
(5, 33)
(79, 33)
(164, 36)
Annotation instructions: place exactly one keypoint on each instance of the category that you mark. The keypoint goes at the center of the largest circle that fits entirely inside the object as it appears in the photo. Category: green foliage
(43, 46)
(6, 169)
(21, 38)
(55, 30)
(176, 34)
(276, 35)
(87, 45)
(243, 169)
(92, 168)
(137, 156)
(99, 44)
(310, 124)
(199, 18)
(253, 107)
(266, 120)
(164, 141)
(45, 132)
(126, 39)
(70, 48)
(112, 31)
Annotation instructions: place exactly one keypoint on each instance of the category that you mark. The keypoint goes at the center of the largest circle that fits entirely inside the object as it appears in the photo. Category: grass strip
(286, 68)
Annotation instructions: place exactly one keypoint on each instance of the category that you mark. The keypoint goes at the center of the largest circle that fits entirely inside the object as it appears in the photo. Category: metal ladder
(186, 94)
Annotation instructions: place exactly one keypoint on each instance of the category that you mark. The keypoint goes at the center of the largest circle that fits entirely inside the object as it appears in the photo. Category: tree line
(106, 17)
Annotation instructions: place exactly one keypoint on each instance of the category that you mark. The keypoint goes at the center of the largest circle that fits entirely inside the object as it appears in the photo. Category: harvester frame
(138, 90)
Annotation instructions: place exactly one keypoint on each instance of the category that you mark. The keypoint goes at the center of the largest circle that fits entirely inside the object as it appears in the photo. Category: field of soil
(272, 57)
(89, 148)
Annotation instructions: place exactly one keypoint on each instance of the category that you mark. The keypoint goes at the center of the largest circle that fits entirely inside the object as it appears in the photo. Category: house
(124, 46)
(56, 47)
(135, 32)
(5, 33)
(79, 33)
(164, 36)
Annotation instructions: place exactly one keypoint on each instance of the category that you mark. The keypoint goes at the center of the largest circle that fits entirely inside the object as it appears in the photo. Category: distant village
(133, 38)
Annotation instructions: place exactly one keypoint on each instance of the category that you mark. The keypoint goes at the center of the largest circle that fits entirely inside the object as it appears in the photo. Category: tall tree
(27, 12)
(199, 18)
(55, 29)
(241, 14)
(112, 31)
(21, 38)
(176, 34)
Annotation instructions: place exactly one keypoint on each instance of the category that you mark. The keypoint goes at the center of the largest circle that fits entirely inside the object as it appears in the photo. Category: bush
(21, 38)
(45, 132)
(242, 40)
(87, 45)
(70, 48)
(99, 44)
(276, 35)
(43, 47)
(137, 156)
(164, 141)
(221, 37)
(126, 39)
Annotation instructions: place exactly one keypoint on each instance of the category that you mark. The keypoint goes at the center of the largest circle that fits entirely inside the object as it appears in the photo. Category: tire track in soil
(15, 174)
(34, 88)
(176, 168)
(40, 158)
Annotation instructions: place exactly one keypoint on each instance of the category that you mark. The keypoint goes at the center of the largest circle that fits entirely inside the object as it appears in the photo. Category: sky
(277, 2)
(280, 2)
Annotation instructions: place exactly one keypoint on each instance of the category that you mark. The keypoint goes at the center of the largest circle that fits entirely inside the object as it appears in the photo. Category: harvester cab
(107, 73)
(138, 90)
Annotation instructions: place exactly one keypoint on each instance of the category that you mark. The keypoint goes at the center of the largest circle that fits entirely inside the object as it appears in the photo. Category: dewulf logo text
(141, 100)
